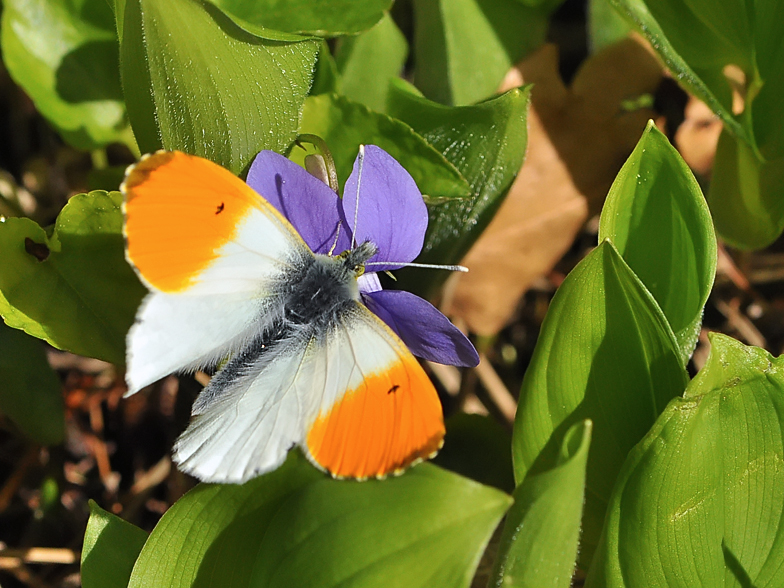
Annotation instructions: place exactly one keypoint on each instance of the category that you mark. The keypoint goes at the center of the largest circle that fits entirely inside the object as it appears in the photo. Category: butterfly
(306, 340)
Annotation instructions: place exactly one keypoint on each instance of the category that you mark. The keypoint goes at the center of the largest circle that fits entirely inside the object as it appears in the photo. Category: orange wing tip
(396, 473)
(390, 421)
(180, 210)
(429, 451)
(138, 173)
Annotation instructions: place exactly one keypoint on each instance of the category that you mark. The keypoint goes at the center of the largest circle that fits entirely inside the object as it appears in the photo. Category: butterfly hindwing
(249, 416)
(213, 254)
(385, 415)
(354, 398)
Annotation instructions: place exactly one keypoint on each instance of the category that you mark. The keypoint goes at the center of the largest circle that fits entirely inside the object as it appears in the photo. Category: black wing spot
(37, 250)
(221, 206)
(393, 389)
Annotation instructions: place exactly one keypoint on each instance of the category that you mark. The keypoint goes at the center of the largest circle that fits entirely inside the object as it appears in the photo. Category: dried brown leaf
(578, 138)
(698, 135)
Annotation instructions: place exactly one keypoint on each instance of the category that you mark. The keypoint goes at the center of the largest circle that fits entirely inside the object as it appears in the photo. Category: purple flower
(391, 214)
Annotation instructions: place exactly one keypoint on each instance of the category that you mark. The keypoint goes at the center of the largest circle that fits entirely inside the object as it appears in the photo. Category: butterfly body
(313, 299)
(317, 291)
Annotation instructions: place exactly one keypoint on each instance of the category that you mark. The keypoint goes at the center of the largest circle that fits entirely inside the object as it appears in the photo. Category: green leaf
(64, 55)
(605, 25)
(111, 546)
(463, 48)
(297, 527)
(195, 81)
(746, 196)
(658, 220)
(539, 541)
(605, 353)
(549, 5)
(329, 18)
(667, 25)
(477, 447)
(767, 107)
(118, 6)
(30, 391)
(700, 501)
(326, 77)
(345, 125)
(71, 286)
(487, 143)
(698, 39)
(368, 61)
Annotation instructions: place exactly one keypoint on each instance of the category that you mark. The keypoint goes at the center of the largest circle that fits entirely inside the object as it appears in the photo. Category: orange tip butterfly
(281, 291)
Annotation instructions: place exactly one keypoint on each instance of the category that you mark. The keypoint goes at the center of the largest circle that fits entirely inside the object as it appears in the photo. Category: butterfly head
(353, 260)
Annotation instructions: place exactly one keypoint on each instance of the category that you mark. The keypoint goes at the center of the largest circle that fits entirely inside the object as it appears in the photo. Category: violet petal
(422, 327)
(311, 207)
(369, 282)
(391, 213)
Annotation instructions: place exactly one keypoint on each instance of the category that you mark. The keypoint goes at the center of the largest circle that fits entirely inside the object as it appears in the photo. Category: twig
(110, 479)
(448, 375)
(741, 323)
(728, 267)
(496, 388)
(12, 558)
(152, 477)
(12, 484)
(472, 405)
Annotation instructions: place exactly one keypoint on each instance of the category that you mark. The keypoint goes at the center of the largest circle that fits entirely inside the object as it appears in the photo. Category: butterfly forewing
(192, 227)
(214, 255)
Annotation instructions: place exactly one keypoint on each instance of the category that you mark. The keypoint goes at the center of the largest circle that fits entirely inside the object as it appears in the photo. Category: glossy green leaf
(345, 125)
(368, 61)
(330, 18)
(298, 527)
(605, 353)
(746, 196)
(71, 285)
(696, 65)
(700, 501)
(477, 447)
(658, 220)
(111, 546)
(605, 25)
(548, 5)
(227, 103)
(539, 541)
(699, 38)
(767, 106)
(326, 77)
(30, 393)
(463, 48)
(487, 143)
(118, 6)
(64, 55)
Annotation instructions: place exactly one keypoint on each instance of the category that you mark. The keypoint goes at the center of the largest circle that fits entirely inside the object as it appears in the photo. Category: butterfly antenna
(335, 242)
(451, 268)
(361, 159)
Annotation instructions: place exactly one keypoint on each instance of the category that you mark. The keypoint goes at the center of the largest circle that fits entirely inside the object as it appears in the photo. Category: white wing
(214, 255)
(354, 399)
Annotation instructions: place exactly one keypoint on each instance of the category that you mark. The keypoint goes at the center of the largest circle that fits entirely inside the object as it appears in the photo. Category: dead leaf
(578, 138)
(698, 135)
